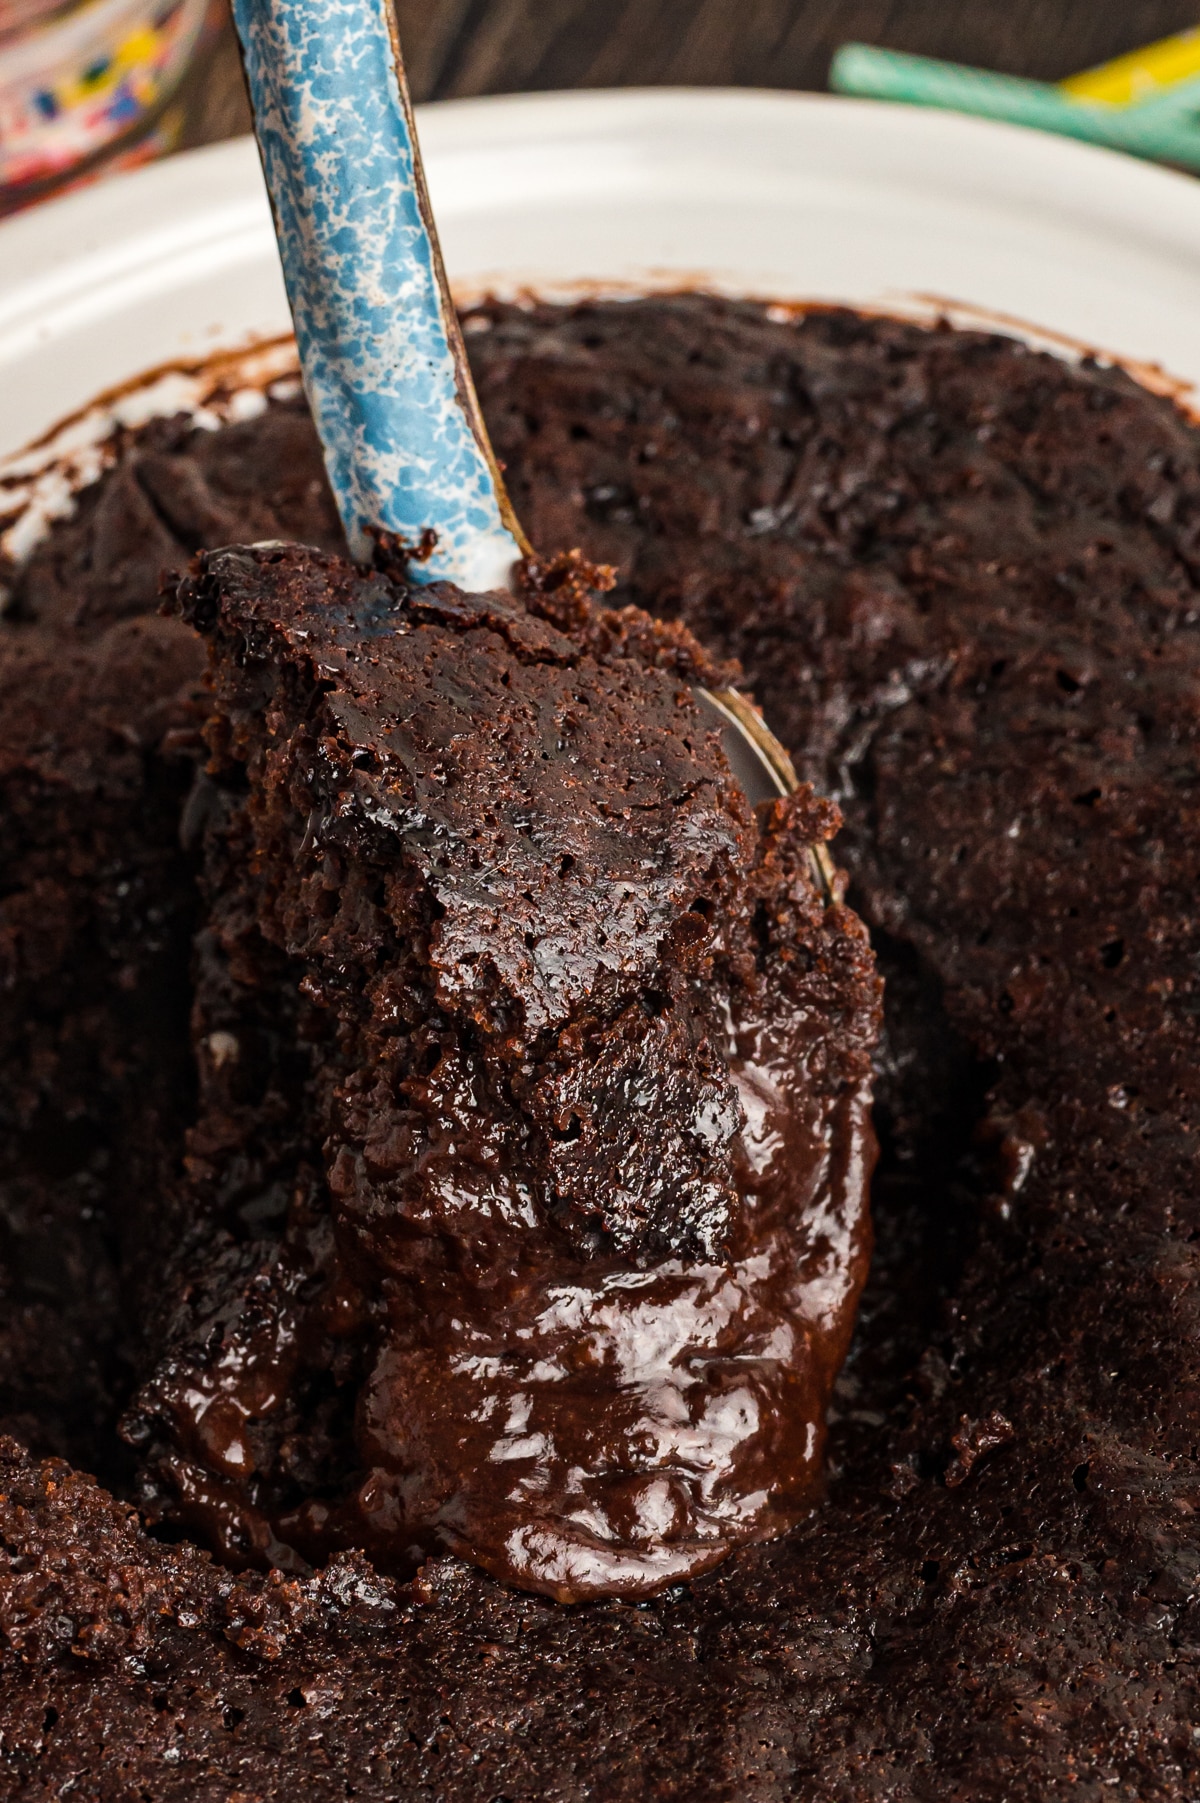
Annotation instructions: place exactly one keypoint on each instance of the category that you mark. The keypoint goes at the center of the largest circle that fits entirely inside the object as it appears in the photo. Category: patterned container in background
(89, 85)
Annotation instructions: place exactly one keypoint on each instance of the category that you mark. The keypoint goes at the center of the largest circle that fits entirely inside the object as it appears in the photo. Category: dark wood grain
(487, 46)
(461, 47)
(214, 96)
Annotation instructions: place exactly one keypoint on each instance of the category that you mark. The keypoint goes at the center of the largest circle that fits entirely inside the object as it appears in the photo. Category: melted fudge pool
(964, 580)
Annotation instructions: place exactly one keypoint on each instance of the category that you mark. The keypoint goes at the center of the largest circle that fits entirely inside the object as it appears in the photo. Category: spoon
(381, 353)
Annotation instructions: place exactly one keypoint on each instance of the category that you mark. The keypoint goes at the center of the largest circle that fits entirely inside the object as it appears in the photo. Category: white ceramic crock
(796, 197)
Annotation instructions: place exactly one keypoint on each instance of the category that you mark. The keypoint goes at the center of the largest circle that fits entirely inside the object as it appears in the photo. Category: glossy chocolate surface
(584, 1216)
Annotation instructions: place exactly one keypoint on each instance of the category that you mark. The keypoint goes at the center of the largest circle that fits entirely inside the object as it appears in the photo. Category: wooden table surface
(460, 47)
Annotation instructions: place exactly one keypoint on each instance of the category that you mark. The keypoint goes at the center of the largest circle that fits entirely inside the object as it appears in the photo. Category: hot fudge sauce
(579, 1218)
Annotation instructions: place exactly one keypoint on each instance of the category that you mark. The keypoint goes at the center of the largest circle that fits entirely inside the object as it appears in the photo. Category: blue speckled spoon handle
(381, 353)
(382, 356)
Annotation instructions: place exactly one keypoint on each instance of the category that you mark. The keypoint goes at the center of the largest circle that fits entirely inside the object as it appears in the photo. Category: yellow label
(1142, 74)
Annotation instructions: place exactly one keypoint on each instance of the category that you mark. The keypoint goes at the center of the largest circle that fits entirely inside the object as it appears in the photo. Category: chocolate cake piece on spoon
(527, 1209)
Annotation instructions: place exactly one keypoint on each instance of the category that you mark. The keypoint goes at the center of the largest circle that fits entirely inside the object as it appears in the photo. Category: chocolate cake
(576, 1155)
(963, 578)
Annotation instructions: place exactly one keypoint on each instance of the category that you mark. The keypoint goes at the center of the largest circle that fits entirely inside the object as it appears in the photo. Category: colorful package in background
(89, 84)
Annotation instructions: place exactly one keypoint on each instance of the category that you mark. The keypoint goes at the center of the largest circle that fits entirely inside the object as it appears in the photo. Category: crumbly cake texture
(576, 1223)
(101, 713)
(963, 580)
(94, 921)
